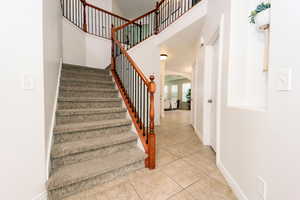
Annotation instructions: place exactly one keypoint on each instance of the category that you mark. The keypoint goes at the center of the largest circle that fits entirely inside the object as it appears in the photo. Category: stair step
(77, 151)
(82, 89)
(79, 68)
(84, 115)
(87, 83)
(106, 128)
(85, 75)
(72, 179)
(87, 102)
(87, 92)
(104, 82)
(86, 126)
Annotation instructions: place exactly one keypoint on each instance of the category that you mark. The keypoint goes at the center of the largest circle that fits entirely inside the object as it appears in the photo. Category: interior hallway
(185, 170)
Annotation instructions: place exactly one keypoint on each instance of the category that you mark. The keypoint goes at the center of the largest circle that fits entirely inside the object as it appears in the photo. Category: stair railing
(137, 92)
(136, 89)
(91, 19)
(170, 10)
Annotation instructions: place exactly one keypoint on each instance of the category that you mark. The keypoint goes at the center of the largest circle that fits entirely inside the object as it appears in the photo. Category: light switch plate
(27, 82)
(261, 188)
(285, 79)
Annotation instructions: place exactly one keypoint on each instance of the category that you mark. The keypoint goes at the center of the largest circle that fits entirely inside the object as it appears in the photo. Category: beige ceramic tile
(155, 186)
(183, 173)
(122, 192)
(218, 176)
(183, 195)
(164, 157)
(210, 189)
(184, 149)
(200, 161)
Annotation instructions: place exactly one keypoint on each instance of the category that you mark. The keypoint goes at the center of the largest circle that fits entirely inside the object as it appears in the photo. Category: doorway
(214, 92)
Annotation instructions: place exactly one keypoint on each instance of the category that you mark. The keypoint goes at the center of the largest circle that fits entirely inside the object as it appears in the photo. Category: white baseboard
(232, 183)
(50, 142)
(41, 196)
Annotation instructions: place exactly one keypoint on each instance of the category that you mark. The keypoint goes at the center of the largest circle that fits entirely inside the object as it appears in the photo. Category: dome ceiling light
(163, 56)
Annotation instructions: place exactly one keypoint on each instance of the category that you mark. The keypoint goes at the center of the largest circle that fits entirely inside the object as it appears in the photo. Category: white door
(214, 89)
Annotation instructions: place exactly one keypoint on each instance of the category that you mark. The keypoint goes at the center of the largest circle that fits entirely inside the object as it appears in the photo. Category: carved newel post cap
(152, 78)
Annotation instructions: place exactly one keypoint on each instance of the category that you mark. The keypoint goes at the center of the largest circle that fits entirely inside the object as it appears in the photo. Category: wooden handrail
(161, 2)
(134, 20)
(145, 129)
(134, 65)
(105, 11)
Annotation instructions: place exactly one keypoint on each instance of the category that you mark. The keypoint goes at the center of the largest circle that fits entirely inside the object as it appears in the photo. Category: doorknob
(210, 101)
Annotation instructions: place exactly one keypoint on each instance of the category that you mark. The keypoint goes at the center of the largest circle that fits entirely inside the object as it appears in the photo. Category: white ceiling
(181, 49)
(135, 8)
(174, 78)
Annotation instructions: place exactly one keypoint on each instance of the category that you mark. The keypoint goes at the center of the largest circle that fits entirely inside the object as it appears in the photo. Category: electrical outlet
(261, 188)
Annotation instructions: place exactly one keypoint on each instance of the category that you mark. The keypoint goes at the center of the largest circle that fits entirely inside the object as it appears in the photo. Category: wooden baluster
(151, 136)
(84, 16)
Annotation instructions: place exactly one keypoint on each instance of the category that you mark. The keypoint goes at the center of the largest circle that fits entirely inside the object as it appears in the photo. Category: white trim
(237, 190)
(41, 196)
(219, 91)
(50, 142)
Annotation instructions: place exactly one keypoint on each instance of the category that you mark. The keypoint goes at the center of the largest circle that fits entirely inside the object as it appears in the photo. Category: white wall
(52, 28)
(258, 142)
(105, 4)
(162, 86)
(22, 139)
(116, 8)
(240, 128)
(198, 90)
(281, 143)
(80, 48)
(147, 57)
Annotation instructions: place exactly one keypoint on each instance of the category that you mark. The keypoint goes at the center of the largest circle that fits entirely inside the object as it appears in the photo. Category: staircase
(93, 142)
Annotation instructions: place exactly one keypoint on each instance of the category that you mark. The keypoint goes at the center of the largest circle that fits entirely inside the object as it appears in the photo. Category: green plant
(188, 95)
(261, 7)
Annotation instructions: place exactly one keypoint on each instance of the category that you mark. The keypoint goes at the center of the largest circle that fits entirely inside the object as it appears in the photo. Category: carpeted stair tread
(68, 148)
(87, 89)
(69, 73)
(76, 73)
(78, 172)
(88, 99)
(68, 112)
(106, 82)
(68, 128)
(82, 68)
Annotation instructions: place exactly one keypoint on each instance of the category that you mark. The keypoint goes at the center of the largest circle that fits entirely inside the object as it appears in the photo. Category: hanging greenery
(261, 7)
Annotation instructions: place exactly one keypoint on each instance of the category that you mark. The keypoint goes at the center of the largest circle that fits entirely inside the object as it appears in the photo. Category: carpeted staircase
(93, 142)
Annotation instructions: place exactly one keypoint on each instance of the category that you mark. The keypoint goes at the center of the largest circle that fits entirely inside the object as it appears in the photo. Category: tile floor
(186, 170)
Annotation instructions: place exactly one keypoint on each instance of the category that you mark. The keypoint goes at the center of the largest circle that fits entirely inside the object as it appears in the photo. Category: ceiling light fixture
(163, 56)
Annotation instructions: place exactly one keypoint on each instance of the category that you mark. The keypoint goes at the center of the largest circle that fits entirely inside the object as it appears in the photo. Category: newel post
(156, 19)
(84, 16)
(152, 137)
